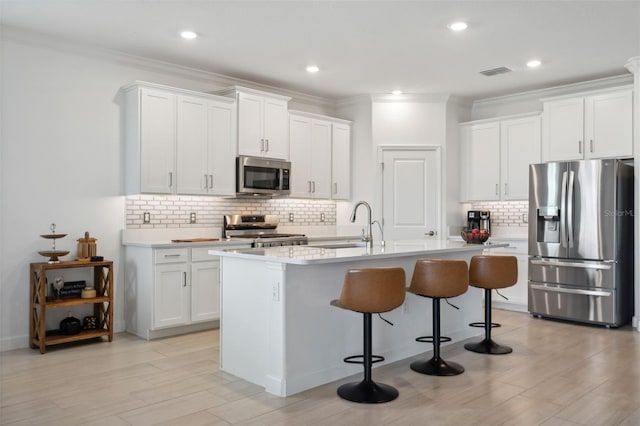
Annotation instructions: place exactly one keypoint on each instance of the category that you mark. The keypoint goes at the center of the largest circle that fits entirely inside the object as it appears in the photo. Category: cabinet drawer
(171, 255)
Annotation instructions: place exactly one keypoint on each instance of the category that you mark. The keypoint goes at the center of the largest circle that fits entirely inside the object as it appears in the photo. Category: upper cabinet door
(482, 154)
(519, 147)
(192, 146)
(276, 134)
(300, 153)
(250, 125)
(341, 162)
(222, 148)
(609, 125)
(320, 159)
(562, 130)
(157, 141)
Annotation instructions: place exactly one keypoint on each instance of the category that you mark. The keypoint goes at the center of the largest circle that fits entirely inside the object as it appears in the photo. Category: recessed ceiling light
(534, 63)
(458, 26)
(312, 68)
(188, 35)
(396, 92)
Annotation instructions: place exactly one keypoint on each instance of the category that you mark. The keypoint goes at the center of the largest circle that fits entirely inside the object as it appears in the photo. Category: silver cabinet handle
(171, 255)
(579, 147)
(570, 290)
(266, 144)
(309, 182)
(261, 145)
(184, 279)
(506, 192)
(497, 193)
(335, 187)
(206, 181)
(211, 181)
(591, 145)
(170, 179)
(314, 186)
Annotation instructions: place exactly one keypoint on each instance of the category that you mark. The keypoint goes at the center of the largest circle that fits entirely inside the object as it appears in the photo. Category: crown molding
(567, 89)
(218, 80)
(410, 97)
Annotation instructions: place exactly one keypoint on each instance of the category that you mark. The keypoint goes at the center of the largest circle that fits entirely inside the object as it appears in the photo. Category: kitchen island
(278, 330)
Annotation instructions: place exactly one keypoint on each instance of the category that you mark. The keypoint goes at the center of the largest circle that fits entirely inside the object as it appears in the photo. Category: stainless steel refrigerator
(581, 241)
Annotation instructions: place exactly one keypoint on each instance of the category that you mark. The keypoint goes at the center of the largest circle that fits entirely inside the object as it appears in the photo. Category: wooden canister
(87, 246)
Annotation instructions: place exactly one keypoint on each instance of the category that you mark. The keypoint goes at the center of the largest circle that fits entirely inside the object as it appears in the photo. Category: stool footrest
(359, 359)
(482, 324)
(429, 339)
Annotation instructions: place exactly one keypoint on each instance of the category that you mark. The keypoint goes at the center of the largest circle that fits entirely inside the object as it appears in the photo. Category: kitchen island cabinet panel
(276, 303)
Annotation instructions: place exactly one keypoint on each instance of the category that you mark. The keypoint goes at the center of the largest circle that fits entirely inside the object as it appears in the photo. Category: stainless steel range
(260, 229)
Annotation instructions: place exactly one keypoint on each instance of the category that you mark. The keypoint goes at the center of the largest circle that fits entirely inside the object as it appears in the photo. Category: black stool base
(367, 392)
(488, 347)
(437, 367)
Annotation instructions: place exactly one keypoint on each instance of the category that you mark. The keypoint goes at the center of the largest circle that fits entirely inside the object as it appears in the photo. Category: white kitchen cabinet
(495, 157)
(320, 156)
(517, 294)
(310, 153)
(262, 123)
(171, 290)
(519, 147)
(205, 147)
(341, 161)
(178, 141)
(594, 125)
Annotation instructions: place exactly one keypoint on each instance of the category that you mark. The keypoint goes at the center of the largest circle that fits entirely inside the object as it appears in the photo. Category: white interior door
(411, 193)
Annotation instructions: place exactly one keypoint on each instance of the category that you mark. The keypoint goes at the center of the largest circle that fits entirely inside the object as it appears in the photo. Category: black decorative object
(70, 325)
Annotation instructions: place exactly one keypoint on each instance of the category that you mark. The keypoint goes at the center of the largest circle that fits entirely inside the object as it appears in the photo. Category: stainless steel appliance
(581, 241)
(260, 229)
(477, 219)
(262, 176)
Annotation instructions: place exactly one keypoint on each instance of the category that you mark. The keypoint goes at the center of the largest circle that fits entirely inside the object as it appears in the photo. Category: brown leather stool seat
(489, 273)
(370, 291)
(437, 279)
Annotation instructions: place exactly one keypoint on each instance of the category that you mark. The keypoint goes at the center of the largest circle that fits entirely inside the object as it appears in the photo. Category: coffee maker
(477, 219)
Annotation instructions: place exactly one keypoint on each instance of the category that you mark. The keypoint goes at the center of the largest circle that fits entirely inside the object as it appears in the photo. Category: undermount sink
(338, 245)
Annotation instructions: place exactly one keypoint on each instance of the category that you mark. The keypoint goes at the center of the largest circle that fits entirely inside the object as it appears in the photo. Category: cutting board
(195, 240)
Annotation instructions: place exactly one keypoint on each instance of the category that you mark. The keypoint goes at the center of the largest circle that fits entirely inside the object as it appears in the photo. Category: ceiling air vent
(495, 71)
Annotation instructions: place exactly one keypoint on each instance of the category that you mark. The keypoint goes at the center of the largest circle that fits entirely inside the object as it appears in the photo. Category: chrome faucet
(369, 236)
(382, 242)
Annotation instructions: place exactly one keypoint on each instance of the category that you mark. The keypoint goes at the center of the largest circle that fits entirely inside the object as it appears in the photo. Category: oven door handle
(570, 290)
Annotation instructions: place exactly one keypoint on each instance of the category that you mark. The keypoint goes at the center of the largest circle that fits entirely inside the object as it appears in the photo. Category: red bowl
(472, 238)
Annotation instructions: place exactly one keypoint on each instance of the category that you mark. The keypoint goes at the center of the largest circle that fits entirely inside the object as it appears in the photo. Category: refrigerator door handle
(570, 290)
(601, 266)
(570, 209)
(563, 210)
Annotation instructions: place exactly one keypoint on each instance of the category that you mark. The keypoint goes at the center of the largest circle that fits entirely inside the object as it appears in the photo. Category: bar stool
(437, 279)
(370, 291)
(488, 273)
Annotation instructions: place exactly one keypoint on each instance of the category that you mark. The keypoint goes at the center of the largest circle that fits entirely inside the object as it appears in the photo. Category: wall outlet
(321, 217)
(192, 217)
(290, 217)
(146, 217)
(525, 218)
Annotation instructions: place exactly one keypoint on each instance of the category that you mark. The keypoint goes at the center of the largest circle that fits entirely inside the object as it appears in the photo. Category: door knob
(430, 233)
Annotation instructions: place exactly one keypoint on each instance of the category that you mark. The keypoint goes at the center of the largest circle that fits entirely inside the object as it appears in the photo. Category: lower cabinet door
(205, 291)
(171, 291)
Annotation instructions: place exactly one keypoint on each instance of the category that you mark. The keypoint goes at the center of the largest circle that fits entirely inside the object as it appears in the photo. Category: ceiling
(361, 47)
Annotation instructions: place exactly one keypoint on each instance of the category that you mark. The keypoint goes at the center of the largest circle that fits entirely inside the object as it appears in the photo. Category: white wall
(62, 158)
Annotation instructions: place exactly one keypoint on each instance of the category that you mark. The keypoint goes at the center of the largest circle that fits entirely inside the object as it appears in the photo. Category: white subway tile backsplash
(505, 213)
(173, 211)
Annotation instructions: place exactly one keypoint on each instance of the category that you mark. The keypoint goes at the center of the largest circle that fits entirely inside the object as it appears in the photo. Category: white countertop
(307, 255)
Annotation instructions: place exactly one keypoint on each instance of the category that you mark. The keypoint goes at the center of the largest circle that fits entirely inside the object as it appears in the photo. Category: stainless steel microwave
(262, 176)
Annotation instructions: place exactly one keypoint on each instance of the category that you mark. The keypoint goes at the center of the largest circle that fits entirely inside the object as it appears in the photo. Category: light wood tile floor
(558, 374)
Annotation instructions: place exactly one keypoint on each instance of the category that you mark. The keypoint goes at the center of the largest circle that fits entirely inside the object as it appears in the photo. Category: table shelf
(39, 337)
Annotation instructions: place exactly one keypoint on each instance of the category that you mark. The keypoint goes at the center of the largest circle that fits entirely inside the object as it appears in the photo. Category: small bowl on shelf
(474, 236)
